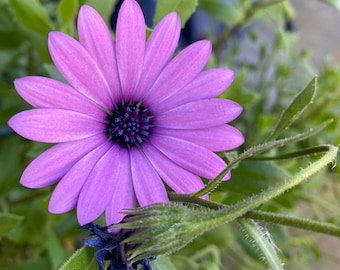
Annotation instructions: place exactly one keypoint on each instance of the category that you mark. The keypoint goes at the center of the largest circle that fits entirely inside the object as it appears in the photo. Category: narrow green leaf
(334, 3)
(262, 241)
(67, 10)
(31, 14)
(83, 259)
(183, 8)
(296, 107)
(8, 222)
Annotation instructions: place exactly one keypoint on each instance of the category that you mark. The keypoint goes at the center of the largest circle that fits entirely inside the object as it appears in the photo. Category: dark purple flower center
(128, 124)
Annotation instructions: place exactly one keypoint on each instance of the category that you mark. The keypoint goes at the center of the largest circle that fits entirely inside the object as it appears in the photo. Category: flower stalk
(167, 228)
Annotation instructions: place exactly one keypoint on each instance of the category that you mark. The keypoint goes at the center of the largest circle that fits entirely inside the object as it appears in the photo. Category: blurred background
(275, 48)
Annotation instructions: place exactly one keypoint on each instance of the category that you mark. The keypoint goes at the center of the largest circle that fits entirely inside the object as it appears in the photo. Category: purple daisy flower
(130, 118)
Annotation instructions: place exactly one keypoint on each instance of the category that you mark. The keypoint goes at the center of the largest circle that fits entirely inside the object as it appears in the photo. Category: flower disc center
(129, 124)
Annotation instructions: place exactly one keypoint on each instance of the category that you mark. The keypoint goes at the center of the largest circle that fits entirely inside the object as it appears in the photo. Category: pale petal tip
(27, 183)
(206, 44)
(87, 11)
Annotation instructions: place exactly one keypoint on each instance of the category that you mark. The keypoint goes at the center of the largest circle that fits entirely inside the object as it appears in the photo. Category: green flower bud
(164, 228)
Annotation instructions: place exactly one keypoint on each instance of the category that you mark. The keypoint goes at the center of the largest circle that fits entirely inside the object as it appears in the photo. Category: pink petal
(130, 45)
(65, 195)
(179, 72)
(123, 196)
(220, 138)
(190, 156)
(199, 114)
(53, 164)
(146, 182)
(98, 189)
(178, 179)
(97, 40)
(159, 49)
(207, 84)
(54, 125)
(79, 68)
(48, 93)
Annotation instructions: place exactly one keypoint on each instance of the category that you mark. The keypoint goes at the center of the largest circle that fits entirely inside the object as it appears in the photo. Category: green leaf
(67, 10)
(55, 249)
(262, 241)
(31, 14)
(221, 10)
(183, 8)
(10, 39)
(32, 264)
(8, 222)
(39, 43)
(334, 3)
(256, 176)
(83, 259)
(296, 107)
(104, 7)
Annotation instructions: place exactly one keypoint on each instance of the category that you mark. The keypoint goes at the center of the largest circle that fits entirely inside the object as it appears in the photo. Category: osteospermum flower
(129, 118)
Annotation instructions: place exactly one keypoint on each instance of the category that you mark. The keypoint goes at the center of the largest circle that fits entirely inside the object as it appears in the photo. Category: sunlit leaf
(67, 10)
(31, 14)
(183, 8)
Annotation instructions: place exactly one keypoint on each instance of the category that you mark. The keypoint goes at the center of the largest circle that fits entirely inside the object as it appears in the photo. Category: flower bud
(164, 228)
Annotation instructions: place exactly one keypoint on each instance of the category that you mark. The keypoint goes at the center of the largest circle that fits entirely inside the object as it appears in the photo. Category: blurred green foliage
(267, 80)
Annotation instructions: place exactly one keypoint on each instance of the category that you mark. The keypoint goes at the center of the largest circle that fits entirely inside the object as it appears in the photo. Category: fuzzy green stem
(229, 213)
(304, 152)
(239, 209)
(301, 223)
(296, 222)
(169, 227)
(257, 150)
